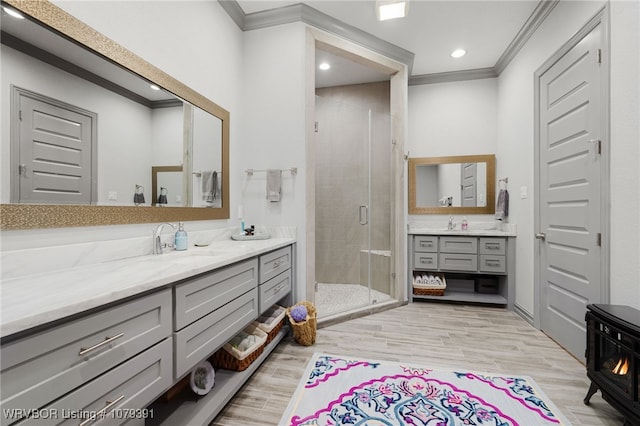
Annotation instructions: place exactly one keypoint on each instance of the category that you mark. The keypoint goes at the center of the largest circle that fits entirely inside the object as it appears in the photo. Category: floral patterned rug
(343, 391)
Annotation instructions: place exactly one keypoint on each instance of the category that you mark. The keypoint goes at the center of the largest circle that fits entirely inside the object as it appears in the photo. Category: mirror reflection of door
(468, 184)
(53, 147)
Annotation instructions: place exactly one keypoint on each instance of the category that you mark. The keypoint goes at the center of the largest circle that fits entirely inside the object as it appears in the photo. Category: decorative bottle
(181, 237)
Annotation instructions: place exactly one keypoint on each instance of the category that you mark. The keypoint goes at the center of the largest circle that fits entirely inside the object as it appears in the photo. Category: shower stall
(353, 203)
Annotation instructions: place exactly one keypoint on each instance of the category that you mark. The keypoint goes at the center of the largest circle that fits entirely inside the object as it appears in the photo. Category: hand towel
(502, 207)
(216, 190)
(274, 185)
(207, 186)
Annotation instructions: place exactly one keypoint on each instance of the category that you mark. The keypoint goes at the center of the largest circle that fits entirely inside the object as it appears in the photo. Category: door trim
(16, 94)
(600, 18)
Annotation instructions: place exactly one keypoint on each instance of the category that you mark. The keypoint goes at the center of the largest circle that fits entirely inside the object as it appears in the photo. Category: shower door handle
(364, 208)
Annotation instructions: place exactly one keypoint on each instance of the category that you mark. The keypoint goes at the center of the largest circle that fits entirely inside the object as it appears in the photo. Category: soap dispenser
(181, 237)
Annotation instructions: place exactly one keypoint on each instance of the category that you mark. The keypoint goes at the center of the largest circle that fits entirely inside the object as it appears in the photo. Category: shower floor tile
(338, 298)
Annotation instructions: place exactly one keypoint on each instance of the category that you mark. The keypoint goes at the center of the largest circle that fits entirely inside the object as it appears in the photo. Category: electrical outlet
(113, 196)
(178, 198)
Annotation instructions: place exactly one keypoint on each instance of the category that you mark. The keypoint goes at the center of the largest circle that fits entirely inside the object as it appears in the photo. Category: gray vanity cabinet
(41, 367)
(477, 269)
(210, 309)
(115, 360)
(275, 277)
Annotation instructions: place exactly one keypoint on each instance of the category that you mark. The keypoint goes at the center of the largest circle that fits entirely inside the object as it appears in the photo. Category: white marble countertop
(482, 229)
(32, 300)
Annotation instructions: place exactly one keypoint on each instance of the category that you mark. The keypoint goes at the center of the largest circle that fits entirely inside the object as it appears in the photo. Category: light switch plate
(523, 192)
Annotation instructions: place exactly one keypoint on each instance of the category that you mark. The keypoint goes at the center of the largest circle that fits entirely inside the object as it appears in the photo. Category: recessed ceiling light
(154, 87)
(12, 12)
(324, 66)
(386, 9)
(458, 53)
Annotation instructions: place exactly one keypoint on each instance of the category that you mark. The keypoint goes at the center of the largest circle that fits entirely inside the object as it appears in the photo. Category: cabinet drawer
(199, 340)
(198, 297)
(458, 245)
(44, 366)
(274, 290)
(119, 392)
(492, 246)
(425, 260)
(272, 264)
(492, 263)
(458, 262)
(424, 243)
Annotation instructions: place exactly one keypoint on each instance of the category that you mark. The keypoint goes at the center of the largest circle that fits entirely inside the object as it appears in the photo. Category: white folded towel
(274, 185)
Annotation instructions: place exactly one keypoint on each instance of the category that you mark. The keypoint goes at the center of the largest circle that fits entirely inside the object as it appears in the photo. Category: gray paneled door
(469, 184)
(570, 190)
(56, 153)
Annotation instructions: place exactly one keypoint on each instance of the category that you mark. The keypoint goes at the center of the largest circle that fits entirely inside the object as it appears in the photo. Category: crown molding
(446, 77)
(537, 17)
(234, 10)
(300, 12)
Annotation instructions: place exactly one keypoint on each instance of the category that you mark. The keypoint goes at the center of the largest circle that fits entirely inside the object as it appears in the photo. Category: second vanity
(478, 263)
(98, 344)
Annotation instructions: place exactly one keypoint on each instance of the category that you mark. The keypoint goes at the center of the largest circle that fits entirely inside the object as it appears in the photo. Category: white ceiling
(431, 31)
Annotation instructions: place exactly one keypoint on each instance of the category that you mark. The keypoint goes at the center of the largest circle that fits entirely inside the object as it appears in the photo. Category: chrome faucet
(451, 224)
(157, 241)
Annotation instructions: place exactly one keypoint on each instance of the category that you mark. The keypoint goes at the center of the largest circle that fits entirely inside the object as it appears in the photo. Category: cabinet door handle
(106, 341)
(541, 236)
(101, 414)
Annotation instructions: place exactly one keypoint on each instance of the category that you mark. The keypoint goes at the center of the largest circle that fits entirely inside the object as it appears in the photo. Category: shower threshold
(336, 301)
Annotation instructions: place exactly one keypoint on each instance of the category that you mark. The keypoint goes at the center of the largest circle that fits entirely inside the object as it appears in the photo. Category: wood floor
(433, 335)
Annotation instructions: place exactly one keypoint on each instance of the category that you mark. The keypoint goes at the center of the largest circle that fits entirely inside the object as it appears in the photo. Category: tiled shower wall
(341, 178)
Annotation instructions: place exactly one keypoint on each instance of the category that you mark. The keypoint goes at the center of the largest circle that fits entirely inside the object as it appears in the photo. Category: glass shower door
(351, 178)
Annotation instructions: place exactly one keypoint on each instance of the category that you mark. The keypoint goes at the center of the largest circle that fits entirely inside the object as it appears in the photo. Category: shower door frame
(398, 111)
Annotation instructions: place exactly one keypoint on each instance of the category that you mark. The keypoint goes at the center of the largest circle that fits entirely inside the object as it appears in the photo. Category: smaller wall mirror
(463, 184)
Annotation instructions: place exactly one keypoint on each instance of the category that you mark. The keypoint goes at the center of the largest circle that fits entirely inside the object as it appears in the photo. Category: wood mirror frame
(29, 216)
(489, 208)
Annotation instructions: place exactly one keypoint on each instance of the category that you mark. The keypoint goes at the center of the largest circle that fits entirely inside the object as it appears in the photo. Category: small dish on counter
(241, 237)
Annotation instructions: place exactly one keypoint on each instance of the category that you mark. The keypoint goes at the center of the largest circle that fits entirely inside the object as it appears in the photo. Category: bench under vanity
(118, 335)
(478, 263)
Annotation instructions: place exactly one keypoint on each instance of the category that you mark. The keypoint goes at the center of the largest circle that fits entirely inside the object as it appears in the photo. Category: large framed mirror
(463, 184)
(83, 129)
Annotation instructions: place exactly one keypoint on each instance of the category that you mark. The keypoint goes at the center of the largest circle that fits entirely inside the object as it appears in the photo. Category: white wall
(458, 118)
(273, 132)
(515, 148)
(625, 153)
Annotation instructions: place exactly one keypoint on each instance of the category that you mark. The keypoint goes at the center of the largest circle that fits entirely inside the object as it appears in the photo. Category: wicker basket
(304, 332)
(420, 289)
(230, 358)
(275, 327)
